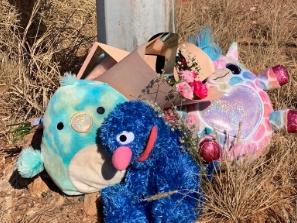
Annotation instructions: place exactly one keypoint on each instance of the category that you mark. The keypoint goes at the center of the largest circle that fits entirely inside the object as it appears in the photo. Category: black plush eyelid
(234, 68)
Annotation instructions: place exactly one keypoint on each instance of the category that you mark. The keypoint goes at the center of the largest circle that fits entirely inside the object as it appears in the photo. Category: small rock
(60, 201)
(253, 9)
(38, 187)
(90, 204)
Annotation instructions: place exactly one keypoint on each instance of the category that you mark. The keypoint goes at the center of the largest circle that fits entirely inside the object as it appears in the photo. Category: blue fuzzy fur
(68, 79)
(204, 40)
(29, 163)
(168, 168)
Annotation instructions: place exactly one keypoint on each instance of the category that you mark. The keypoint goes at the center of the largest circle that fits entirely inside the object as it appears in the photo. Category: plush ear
(29, 163)
(68, 79)
(233, 51)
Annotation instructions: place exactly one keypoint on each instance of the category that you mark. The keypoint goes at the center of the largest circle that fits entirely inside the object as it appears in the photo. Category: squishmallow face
(69, 151)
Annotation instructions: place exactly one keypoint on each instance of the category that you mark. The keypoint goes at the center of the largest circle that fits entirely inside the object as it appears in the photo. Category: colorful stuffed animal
(139, 140)
(69, 152)
(237, 118)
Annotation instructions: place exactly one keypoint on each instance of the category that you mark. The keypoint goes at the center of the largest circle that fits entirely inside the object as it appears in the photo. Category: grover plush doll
(139, 141)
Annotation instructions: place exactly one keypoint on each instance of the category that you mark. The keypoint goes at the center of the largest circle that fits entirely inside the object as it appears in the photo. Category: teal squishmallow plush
(69, 152)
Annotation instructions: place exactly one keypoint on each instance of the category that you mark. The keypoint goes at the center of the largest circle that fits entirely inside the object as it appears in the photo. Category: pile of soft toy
(104, 135)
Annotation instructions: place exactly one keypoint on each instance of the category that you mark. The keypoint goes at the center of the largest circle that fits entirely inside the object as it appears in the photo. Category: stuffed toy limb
(30, 163)
(237, 118)
(140, 142)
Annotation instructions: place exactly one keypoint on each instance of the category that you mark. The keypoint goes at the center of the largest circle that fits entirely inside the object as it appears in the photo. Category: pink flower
(200, 90)
(188, 76)
(185, 90)
(170, 116)
(192, 120)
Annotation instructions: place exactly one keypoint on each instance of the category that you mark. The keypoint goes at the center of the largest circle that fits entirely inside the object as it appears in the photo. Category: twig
(239, 132)
(159, 196)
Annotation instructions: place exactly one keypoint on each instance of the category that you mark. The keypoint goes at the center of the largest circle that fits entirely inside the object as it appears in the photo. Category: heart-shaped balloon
(240, 110)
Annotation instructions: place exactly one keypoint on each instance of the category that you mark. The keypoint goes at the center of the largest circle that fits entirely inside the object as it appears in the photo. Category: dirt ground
(40, 40)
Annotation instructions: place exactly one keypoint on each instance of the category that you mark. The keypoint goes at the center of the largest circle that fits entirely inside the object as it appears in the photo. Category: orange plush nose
(121, 157)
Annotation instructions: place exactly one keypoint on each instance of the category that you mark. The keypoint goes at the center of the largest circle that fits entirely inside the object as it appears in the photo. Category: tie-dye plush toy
(69, 152)
(236, 118)
(162, 182)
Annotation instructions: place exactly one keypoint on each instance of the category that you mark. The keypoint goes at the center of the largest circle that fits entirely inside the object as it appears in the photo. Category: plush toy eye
(60, 126)
(125, 138)
(100, 110)
(234, 68)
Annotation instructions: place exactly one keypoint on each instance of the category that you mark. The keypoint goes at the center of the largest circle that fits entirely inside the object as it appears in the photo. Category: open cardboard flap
(100, 58)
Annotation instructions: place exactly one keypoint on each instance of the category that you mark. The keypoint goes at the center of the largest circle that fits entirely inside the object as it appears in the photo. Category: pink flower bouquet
(187, 84)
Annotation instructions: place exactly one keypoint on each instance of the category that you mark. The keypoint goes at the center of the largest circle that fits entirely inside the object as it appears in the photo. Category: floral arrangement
(173, 119)
(185, 78)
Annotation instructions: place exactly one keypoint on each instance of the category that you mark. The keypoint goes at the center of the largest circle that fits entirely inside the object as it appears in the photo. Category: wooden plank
(128, 23)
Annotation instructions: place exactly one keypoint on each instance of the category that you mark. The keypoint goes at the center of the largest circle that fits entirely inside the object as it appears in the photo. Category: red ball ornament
(209, 150)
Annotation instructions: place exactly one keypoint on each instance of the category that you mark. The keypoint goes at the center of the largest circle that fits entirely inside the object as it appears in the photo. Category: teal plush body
(69, 152)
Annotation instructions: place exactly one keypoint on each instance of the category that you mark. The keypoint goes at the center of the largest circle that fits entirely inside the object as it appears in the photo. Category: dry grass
(262, 191)
(39, 40)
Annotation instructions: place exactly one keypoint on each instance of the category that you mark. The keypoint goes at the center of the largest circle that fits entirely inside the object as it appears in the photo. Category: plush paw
(120, 206)
(29, 163)
(209, 150)
(292, 121)
(281, 74)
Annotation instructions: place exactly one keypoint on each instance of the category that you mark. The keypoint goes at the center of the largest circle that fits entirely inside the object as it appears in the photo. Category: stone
(37, 187)
(90, 204)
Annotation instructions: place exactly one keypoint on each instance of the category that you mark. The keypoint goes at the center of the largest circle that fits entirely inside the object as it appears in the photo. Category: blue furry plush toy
(139, 140)
(69, 152)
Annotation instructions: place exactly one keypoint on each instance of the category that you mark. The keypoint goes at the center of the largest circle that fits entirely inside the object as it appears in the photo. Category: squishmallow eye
(234, 68)
(60, 126)
(125, 138)
(100, 110)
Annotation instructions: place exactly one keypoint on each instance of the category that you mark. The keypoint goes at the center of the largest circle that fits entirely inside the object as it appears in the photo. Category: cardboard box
(137, 75)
